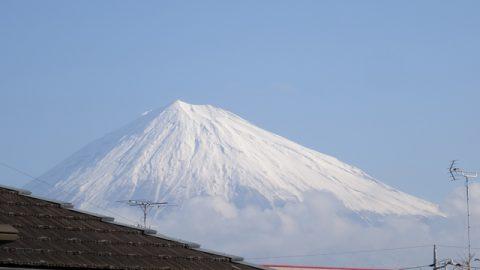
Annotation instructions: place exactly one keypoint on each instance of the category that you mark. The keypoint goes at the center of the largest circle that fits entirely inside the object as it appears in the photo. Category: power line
(340, 252)
(459, 247)
(451, 246)
(413, 267)
(50, 185)
(24, 173)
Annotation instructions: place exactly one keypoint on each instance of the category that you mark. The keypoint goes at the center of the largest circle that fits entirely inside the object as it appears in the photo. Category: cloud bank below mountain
(320, 231)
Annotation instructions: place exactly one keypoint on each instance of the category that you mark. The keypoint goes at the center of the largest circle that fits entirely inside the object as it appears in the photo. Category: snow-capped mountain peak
(185, 151)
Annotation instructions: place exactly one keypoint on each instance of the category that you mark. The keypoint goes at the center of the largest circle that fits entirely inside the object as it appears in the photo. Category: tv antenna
(455, 173)
(145, 206)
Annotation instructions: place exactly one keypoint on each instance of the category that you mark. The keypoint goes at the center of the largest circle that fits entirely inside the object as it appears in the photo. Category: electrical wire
(459, 247)
(50, 185)
(340, 252)
(24, 173)
(413, 267)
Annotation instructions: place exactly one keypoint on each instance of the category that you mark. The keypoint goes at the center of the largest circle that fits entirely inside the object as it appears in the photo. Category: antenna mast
(458, 172)
(145, 206)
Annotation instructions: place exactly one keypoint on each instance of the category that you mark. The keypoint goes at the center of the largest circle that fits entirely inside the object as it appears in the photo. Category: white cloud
(321, 225)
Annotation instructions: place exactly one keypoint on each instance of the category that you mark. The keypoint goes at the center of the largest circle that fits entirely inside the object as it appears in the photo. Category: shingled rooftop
(44, 234)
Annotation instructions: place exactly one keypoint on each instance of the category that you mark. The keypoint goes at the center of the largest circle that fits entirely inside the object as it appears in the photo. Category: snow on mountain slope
(185, 151)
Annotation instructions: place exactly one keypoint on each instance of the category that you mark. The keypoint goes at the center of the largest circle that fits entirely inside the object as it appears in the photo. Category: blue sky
(392, 87)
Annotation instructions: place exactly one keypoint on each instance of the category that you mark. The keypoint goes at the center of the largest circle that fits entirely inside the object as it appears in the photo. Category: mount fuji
(186, 151)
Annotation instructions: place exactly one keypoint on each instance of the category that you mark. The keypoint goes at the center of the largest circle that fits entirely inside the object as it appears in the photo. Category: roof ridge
(19, 190)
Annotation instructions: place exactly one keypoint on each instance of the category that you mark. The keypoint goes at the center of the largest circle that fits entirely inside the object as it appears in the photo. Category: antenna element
(145, 206)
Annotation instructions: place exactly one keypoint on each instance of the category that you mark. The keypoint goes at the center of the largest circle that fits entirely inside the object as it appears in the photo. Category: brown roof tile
(53, 236)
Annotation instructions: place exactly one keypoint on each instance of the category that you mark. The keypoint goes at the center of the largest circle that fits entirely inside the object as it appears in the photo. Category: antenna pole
(469, 259)
(435, 266)
(144, 208)
(454, 172)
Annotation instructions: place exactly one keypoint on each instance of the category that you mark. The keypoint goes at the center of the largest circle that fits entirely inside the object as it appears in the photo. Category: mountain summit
(185, 151)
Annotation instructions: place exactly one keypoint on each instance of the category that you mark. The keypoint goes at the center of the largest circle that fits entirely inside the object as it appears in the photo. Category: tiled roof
(53, 236)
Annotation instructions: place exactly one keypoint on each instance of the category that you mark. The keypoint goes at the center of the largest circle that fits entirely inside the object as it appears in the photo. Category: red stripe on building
(301, 267)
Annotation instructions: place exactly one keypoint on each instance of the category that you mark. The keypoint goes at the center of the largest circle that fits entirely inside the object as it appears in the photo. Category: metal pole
(145, 216)
(435, 267)
(469, 259)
